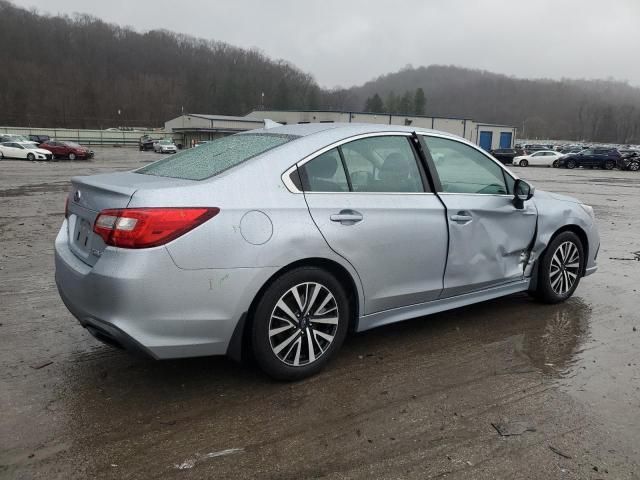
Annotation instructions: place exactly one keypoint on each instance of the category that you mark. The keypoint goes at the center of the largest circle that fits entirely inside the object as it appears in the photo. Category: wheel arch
(582, 235)
(240, 343)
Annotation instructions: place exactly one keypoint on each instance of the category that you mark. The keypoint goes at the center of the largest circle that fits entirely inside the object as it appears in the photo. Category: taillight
(148, 227)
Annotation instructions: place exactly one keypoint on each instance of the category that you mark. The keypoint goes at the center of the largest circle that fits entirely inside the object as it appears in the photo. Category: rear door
(371, 202)
(489, 239)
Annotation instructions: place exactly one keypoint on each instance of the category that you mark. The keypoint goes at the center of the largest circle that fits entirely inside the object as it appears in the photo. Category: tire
(72, 156)
(555, 164)
(571, 164)
(523, 163)
(286, 355)
(609, 165)
(561, 266)
(633, 166)
(1, 156)
(31, 157)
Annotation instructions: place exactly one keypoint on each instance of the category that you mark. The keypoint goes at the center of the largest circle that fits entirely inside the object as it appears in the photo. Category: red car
(68, 150)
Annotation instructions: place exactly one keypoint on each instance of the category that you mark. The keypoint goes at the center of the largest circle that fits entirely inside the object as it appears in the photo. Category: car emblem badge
(77, 196)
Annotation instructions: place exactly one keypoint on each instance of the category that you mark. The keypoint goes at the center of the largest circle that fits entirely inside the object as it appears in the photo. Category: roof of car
(342, 130)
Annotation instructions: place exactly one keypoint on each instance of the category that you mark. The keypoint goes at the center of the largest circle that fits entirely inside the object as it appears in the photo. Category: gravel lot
(422, 399)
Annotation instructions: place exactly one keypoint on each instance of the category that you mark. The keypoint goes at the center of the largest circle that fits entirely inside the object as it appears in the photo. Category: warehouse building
(190, 128)
(194, 127)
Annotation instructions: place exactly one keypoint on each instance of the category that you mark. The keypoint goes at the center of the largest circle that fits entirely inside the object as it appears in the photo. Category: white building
(194, 127)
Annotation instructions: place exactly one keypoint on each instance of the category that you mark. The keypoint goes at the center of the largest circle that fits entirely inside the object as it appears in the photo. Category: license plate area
(82, 235)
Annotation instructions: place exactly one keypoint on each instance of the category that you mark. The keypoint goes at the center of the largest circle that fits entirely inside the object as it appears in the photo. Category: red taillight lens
(148, 227)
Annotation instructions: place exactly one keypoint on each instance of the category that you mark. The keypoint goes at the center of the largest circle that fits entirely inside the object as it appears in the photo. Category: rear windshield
(216, 156)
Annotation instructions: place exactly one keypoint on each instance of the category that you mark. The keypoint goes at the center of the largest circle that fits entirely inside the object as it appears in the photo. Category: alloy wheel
(303, 324)
(565, 267)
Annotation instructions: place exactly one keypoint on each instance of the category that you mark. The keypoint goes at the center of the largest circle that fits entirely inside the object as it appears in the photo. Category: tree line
(81, 72)
(407, 104)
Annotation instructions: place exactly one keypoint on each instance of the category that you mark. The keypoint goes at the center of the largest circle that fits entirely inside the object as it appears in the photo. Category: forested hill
(594, 110)
(80, 71)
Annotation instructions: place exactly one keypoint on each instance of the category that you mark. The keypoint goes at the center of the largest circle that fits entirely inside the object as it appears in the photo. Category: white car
(23, 150)
(544, 158)
(165, 146)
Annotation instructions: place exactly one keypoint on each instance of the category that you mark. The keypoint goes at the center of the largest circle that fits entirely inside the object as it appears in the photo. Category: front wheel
(300, 323)
(72, 156)
(523, 163)
(560, 268)
(31, 157)
(633, 166)
(571, 164)
(556, 164)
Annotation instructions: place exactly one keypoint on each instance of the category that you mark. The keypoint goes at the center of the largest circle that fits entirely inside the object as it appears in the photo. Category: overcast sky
(343, 43)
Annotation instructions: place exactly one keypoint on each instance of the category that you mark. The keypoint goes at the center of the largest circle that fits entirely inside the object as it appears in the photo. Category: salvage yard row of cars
(570, 157)
(40, 147)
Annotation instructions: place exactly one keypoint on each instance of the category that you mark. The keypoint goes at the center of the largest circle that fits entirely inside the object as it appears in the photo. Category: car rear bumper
(141, 301)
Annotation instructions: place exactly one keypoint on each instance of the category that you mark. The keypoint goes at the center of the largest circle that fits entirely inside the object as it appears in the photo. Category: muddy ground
(423, 399)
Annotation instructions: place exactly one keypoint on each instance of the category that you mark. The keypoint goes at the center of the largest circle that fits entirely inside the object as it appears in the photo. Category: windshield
(72, 144)
(166, 142)
(29, 146)
(216, 156)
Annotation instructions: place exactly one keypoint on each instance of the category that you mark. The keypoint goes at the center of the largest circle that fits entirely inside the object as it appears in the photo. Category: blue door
(505, 139)
(486, 140)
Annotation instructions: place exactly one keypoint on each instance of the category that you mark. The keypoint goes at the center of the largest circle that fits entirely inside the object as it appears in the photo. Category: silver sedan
(277, 242)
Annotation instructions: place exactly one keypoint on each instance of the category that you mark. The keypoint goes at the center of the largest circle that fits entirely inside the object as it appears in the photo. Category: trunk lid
(91, 194)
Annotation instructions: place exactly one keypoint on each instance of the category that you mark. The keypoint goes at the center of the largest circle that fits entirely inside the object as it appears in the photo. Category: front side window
(216, 156)
(382, 164)
(463, 169)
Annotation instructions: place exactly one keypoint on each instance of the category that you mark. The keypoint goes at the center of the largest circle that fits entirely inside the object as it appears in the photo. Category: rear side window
(372, 165)
(215, 157)
(324, 173)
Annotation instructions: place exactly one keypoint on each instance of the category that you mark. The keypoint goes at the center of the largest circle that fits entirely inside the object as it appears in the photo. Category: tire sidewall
(571, 164)
(524, 163)
(31, 157)
(72, 156)
(544, 290)
(264, 355)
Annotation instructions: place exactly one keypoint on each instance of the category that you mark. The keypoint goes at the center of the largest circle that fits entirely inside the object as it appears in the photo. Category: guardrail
(84, 136)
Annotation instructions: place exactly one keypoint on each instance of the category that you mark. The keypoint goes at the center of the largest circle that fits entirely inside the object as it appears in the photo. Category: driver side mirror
(522, 192)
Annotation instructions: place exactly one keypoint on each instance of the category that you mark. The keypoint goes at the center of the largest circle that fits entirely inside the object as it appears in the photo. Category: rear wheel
(633, 166)
(31, 157)
(609, 165)
(300, 323)
(555, 164)
(560, 268)
(524, 163)
(72, 156)
(571, 164)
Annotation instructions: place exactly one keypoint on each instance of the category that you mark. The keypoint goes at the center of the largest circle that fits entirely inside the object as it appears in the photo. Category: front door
(370, 200)
(489, 239)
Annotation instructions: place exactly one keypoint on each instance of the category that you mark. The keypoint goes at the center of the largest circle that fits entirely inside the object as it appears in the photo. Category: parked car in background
(338, 227)
(534, 147)
(201, 142)
(146, 143)
(506, 155)
(39, 139)
(630, 160)
(606, 158)
(70, 150)
(165, 146)
(26, 150)
(541, 158)
(11, 137)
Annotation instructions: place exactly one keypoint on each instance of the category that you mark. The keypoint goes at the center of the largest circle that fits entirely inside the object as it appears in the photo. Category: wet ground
(504, 389)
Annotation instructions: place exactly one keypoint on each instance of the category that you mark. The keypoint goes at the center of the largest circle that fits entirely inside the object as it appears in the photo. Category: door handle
(461, 217)
(346, 217)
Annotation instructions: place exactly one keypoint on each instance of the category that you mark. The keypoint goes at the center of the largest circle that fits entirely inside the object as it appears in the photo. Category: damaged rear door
(489, 238)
